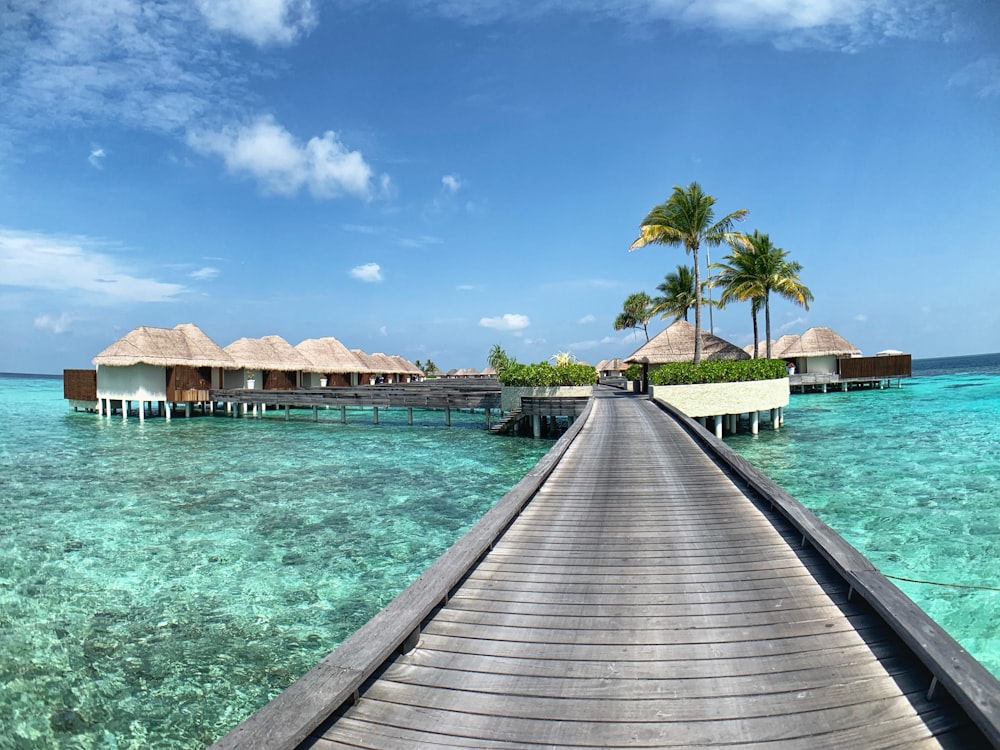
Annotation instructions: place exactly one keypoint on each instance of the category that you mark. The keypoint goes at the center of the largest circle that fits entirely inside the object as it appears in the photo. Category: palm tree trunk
(697, 307)
(767, 322)
(756, 333)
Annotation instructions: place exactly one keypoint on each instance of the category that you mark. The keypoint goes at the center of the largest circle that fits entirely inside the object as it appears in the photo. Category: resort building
(269, 363)
(159, 366)
(818, 350)
(331, 364)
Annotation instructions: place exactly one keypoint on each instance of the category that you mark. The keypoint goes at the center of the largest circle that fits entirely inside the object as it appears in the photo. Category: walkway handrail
(290, 717)
(968, 682)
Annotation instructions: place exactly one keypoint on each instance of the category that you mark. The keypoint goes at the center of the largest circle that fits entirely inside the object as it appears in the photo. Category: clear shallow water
(160, 582)
(909, 476)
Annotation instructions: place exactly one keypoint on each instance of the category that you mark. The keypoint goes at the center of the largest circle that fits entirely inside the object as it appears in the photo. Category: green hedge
(718, 371)
(543, 374)
(634, 372)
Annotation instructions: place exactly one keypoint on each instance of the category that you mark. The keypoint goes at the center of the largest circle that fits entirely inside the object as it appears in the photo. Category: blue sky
(430, 178)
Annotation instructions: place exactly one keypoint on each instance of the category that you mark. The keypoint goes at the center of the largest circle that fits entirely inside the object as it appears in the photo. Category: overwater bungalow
(159, 366)
(822, 357)
(675, 343)
(408, 372)
(818, 350)
(333, 364)
(269, 363)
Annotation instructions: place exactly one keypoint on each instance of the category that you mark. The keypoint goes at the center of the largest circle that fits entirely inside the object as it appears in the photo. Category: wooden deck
(655, 591)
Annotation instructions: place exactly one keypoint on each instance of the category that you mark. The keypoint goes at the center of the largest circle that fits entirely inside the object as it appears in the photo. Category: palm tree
(741, 282)
(754, 270)
(636, 312)
(687, 218)
(678, 295)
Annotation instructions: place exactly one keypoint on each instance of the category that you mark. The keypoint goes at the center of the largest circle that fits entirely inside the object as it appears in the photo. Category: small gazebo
(675, 343)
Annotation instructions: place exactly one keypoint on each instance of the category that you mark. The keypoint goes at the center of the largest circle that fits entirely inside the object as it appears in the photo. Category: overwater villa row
(181, 365)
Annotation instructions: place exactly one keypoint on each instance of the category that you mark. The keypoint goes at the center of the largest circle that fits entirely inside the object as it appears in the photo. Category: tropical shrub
(566, 371)
(718, 371)
(544, 374)
(634, 372)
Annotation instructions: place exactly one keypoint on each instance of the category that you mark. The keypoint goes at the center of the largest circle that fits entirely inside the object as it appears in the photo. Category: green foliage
(545, 374)
(634, 372)
(718, 371)
(566, 371)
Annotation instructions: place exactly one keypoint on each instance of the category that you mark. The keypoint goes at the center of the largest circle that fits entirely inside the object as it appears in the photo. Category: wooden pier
(441, 395)
(643, 586)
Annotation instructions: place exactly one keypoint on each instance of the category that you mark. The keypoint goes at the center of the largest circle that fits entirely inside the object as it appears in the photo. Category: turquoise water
(160, 582)
(909, 477)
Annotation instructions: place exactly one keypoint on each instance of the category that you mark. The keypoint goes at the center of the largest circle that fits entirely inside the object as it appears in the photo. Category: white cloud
(587, 319)
(594, 343)
(383, 330)
(281, 164)
(534, 342)
(55, 323)
(153, 66)
(798, 322)
(982, 75)
(861, 317)
(205, 274)
(468, 287)
(72, 264)
(261, 21)
(845, 24)
(506, 322)
(451, 183)
(96, 158)
(370, 272)
(423, 240)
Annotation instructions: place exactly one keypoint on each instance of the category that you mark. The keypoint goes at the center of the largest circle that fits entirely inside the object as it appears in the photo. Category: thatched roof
(820, 342)
(675, 343)
(762, 348)
(185, 344)
(330, 355)
(406, 367)
(783, 342)
(267, 353)
(384, 363)
(611, 365)
(377, 362)
(489, 372)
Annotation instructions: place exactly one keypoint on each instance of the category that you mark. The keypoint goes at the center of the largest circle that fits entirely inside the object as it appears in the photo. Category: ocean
(159, 582)
(909, 476)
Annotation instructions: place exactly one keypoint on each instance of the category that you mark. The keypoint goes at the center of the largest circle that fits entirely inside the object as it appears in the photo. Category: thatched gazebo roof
(609, 365)
(185, 344)
(820, 342)
(675, 343)
(328, 354)
(267, 353)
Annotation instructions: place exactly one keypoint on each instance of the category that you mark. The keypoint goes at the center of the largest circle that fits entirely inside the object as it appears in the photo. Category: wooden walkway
(647, 596)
